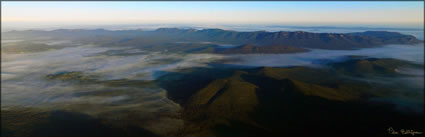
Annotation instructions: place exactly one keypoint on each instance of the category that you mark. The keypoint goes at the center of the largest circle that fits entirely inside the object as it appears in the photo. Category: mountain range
(210, 40)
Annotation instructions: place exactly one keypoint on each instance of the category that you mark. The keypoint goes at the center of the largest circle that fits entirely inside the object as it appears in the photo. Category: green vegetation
(82, 78)
(37, 122)
(27, 47)
(362, 67)
(290, 101)
(21, 121)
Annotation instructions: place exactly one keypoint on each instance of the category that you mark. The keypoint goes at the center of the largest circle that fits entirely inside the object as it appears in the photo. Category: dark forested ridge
(291, 101)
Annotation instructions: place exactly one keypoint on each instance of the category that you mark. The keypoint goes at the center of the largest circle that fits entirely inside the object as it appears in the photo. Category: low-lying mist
(123, 77)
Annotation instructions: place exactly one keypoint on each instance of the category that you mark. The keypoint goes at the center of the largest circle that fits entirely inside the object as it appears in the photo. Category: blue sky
(214, 12)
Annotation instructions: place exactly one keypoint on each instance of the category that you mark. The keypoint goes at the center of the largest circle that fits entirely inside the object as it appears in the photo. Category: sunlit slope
(287, 101)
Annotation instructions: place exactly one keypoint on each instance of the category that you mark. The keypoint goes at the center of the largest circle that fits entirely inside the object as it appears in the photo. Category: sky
(114, 13)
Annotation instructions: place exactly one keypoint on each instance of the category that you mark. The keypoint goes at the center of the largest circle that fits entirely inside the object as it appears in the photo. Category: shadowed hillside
(247, 49)
(40, 123)
(295, 101)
